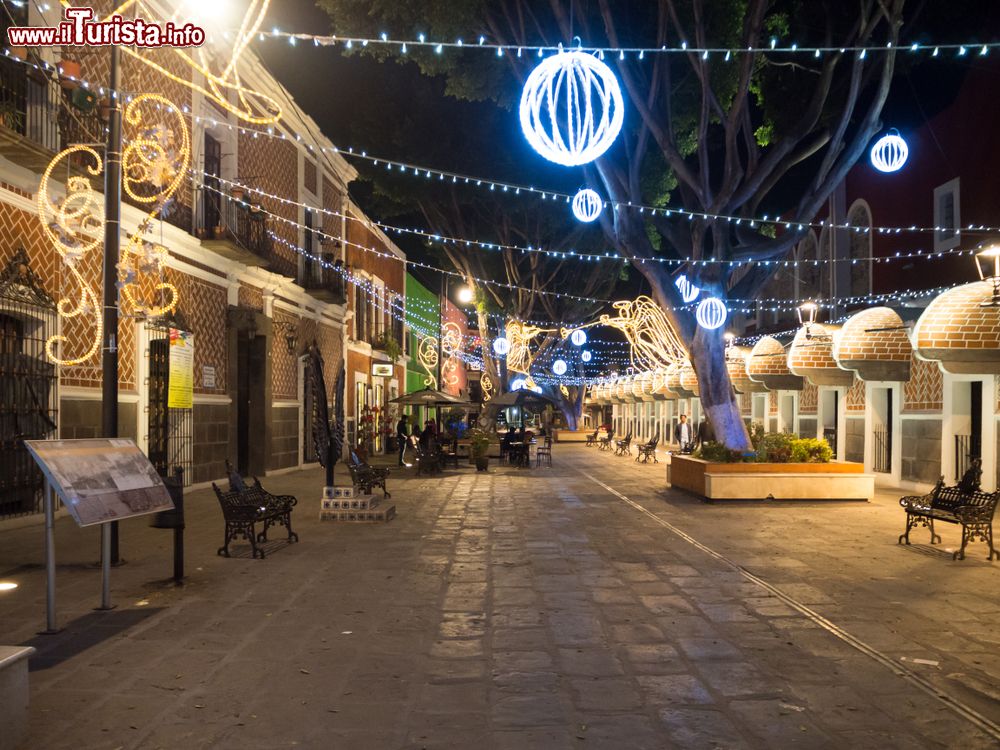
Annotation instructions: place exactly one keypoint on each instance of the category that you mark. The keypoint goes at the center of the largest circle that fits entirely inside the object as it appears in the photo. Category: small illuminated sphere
(501, 346)
(586, 356)
(587, 205)
(571, 108)
(689, 292)
(711, 313)
(559, 367)
(465, 295)
(578, 337)
(889, 153)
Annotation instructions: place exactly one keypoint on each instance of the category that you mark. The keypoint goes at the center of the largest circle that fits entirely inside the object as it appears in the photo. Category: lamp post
(112, 249)
(988, 265)
(806, 313)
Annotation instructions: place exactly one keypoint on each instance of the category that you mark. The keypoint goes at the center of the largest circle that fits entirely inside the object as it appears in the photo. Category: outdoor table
(519, 453)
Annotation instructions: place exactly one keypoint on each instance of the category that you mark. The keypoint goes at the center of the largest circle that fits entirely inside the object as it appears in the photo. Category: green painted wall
(422, 315)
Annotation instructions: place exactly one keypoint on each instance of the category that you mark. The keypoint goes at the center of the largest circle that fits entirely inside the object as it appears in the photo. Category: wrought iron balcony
(234, 229)
(324, 281)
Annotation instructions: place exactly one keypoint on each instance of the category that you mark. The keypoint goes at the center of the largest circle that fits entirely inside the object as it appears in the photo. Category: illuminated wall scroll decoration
(451, 347)
(249, 105)
(564, 391)
(486, 383)
(154, 165)
(571, 108)
(427, 356)
(74, 226)
(587, 205)
(889, 152)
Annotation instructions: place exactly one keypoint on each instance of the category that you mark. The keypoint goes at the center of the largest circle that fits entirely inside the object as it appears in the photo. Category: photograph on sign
(100, 480)
(180, 386)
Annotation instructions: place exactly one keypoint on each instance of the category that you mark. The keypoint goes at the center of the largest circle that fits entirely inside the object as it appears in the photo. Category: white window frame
(947, 243)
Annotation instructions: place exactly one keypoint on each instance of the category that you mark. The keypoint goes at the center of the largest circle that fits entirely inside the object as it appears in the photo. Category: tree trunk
(718, 400)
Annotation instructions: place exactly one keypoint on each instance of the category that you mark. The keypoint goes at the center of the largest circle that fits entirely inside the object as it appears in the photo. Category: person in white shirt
(683, 434)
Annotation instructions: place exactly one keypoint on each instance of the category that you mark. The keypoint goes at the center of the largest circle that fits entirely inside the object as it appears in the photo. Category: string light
(626, 52)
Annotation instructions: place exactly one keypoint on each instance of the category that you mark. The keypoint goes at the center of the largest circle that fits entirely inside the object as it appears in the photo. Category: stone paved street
(580, 606)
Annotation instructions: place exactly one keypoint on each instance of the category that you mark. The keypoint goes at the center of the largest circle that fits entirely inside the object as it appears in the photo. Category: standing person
(683, 434)
(705, 432)
(402, 433)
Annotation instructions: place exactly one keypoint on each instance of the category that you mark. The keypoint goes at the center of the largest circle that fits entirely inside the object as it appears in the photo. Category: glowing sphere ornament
(559, 367)
(889, 153)
(587, 205)
(711, 313)
(501, 346)
(689, 292)
(586, 356)
(571, 108)
(578, 337)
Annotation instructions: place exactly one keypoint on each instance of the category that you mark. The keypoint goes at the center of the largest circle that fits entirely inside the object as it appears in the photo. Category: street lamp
(730, 338)
(988, 265)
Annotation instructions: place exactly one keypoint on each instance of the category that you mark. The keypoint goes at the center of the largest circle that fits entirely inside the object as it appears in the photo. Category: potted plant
(479, 447)
(70, 73)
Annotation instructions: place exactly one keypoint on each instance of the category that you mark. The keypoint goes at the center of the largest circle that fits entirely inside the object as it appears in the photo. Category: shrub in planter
(811, 451)
(775, 447)
(479, 446)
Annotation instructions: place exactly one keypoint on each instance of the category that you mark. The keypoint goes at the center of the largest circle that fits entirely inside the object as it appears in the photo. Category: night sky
(353, 98)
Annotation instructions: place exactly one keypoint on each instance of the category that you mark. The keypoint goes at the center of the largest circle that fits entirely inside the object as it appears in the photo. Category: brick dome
(736, 365)
(768, 364)
(811, 356)
(674, 381)
(961, 334)
(875, 344)
(689, 380)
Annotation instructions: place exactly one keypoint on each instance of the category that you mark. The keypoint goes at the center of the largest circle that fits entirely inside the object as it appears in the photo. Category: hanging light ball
(711, 313)
(559, 367)
(571, 108)
(578, 337)
(587, 205)
(689, 292)
(586, 356)
(501, 346)
(889, 152)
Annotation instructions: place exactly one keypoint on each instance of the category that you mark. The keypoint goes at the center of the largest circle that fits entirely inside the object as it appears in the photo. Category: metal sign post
(50, 562)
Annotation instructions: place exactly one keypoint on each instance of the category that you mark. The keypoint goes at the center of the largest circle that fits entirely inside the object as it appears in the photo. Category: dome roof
(689, 379)
(875, 344)
(811, 356)
(768, 364)
(674, 381)
(736, 365)
(961, 333)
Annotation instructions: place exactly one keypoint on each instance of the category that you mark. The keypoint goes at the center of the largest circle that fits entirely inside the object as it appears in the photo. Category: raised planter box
(717, 481)
(13, 694)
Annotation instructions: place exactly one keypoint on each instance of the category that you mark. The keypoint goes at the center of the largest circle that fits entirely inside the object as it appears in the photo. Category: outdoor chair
(591, 439)
(544, 452)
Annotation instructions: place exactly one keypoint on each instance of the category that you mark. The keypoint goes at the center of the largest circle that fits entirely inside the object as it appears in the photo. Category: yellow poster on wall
(180, 393)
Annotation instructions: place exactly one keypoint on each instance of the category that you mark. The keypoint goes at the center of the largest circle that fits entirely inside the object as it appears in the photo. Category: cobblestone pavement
(584, 605)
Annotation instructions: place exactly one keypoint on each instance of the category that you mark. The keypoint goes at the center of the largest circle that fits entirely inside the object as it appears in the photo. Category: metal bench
(366, 477)
(972, 508)
(428, 461)
(243, 509)
(591, 440)
(607, 441)
(647, 451)
(624, 447)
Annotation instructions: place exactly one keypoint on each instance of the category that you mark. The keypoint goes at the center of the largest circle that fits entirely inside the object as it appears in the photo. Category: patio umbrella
(522, 398)
(428, 397)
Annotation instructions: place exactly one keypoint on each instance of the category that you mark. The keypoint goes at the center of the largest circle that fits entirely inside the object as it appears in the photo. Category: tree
(738, 134)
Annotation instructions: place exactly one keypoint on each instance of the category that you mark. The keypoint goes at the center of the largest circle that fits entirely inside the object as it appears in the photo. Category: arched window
(859, 219)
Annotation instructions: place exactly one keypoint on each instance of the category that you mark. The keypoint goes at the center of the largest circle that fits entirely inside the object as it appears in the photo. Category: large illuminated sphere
(571, 108)
(587, 205)
(501, 346)
(711, 313)
(559, 367)
(586, 356)
(578, 337)
(689, 292)
(889, 153)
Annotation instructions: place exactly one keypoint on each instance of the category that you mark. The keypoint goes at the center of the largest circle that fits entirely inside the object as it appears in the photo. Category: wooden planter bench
(244, 509)
(973, 509)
